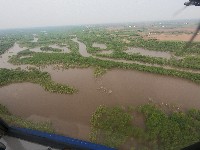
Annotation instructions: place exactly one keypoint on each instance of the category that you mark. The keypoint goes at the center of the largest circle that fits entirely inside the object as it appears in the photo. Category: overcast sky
(34, 13)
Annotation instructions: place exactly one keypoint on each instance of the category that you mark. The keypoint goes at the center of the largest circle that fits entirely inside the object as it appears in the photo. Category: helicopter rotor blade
(193, 37)
(179, 11)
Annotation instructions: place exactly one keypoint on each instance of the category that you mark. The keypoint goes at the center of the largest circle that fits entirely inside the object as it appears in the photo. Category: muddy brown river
(70, 114)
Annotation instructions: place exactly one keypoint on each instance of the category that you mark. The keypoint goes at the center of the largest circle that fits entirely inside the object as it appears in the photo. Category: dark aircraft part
(179, 11)
(53, 140)
(192, 2)
(195, 3)
(50, 140)
(2, 146)
(193, 37)
(187, 3)
(195, 146)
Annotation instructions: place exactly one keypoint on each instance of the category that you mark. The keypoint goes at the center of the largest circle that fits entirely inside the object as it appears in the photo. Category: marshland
(109, 86)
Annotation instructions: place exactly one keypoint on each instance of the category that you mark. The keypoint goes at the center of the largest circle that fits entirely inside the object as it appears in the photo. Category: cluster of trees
(113, 126)
(47, 48)
(5, 45)
(34, 76)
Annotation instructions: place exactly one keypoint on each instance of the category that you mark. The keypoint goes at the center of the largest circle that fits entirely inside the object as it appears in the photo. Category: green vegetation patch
(25, 52)
(35, 76)
(110, 126)
(99, 71)
(114, 126)
(5, 46)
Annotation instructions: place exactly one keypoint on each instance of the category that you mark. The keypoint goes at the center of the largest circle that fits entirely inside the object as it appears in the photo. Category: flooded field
(105, 52)
(84, 53)
(70, 114)
(145, 52)
(72, 118)
(101, 46)
(5, 57)
(64, 49)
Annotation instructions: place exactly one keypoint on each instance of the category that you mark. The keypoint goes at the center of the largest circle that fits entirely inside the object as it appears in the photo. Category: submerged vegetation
(34, 76)
(99, 71)
(17, 121)
(113, 126)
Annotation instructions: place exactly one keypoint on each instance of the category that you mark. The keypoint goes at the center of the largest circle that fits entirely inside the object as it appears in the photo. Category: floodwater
(82, 48)
(64, 49)
(84, 53)
(149, 53)
(101, 46)
(105, 52)
(5, 57)
(9, 53)
(70, 114)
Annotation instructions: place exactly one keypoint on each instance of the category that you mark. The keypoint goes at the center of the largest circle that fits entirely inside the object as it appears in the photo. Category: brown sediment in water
(70, 114)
